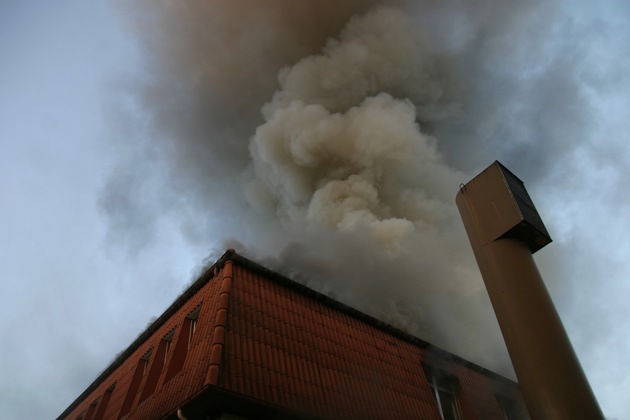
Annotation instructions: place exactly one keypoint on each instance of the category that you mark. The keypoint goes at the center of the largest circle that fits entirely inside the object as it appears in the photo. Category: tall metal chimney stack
(504, 230)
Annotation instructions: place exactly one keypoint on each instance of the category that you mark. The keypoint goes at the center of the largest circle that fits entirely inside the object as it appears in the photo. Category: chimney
(504, 230)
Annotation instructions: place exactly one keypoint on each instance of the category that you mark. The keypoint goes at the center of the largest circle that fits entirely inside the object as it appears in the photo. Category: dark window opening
(91, 409)
(443, 388)
(104, 401)
(168, 342)
(133, 387)
(193, 327)
(510, 408)
(156, 367)
(179, 353)
(193, 317)
(183, 344)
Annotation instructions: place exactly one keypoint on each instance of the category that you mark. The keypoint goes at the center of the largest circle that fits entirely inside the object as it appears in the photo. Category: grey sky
(64, 288)
(96, 238)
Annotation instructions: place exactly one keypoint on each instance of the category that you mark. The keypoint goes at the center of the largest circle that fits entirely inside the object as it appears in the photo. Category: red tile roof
(270, 342)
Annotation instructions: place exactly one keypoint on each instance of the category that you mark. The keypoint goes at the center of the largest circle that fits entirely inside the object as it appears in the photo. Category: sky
(139, 140)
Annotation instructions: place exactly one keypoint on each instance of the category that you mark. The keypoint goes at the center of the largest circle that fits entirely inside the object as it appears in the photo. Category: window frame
(157, 367)
(440, 381)
(100, 412)
(511, 409)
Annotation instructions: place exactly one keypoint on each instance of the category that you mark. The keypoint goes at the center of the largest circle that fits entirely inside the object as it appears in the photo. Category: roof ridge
(220, 322)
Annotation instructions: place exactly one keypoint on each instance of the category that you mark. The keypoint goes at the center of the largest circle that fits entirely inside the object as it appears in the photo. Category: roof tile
(264, 337)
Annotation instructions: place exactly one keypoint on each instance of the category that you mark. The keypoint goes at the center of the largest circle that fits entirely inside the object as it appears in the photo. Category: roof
(270, 340)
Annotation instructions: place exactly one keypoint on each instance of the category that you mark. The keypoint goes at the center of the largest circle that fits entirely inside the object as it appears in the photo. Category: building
(246, 342)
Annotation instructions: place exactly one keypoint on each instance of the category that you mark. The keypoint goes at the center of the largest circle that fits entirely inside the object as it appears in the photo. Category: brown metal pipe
(552, 381)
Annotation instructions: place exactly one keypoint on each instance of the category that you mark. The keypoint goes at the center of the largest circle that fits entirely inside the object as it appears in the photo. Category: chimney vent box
(504, 208)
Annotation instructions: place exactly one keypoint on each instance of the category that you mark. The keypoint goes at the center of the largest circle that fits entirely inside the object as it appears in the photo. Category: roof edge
(209, 274)
(204, 278)
(220, 325)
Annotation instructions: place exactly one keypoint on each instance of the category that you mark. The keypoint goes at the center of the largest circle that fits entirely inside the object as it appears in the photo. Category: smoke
(365, 167)
(362, 195)
(341, 146)
(328, 139)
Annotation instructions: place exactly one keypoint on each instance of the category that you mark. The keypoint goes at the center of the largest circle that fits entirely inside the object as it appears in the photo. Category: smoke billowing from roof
(340, 146)
(330, 139)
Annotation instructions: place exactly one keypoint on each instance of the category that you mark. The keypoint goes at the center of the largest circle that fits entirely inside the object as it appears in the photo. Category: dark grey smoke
(226, 149)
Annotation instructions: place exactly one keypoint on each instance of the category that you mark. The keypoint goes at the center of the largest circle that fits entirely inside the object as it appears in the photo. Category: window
(167, 349)
(91, 409)
(183, 344)
(157, 365)
(510, 408)
(193, 317)
(193, 327)
(134, 385)
(101, 408)
(443, 387)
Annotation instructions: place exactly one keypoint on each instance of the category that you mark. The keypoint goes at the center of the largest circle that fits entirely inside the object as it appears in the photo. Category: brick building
(246, 342)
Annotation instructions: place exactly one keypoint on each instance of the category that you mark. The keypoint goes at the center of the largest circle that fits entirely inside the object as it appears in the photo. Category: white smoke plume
(337, 182)
(371, 166)
(328, 139)
(342, 163)
(338, 150)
